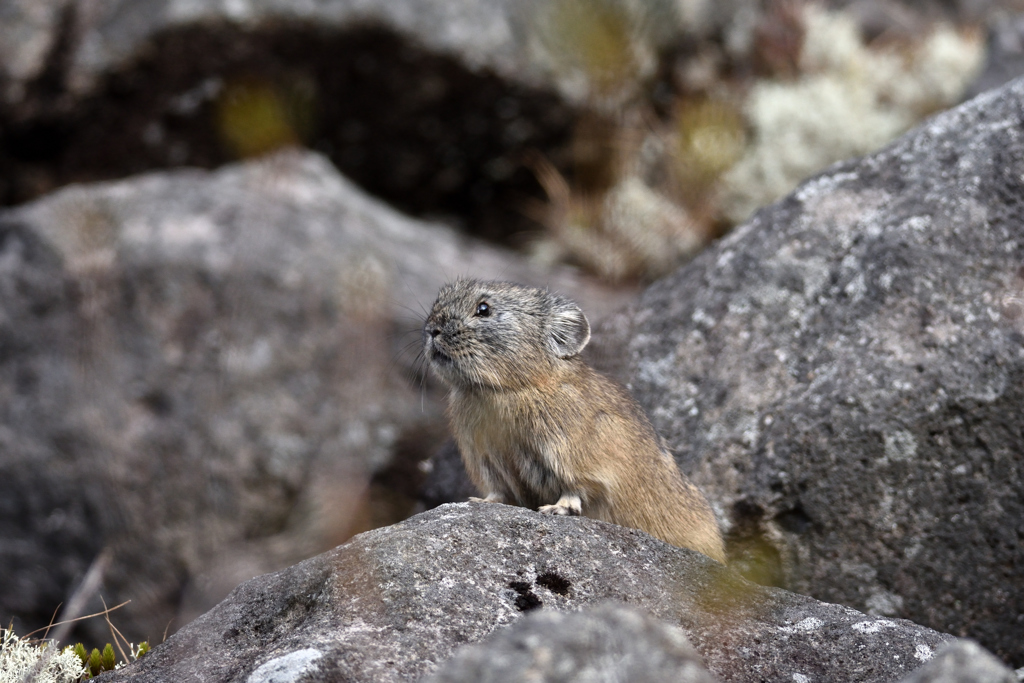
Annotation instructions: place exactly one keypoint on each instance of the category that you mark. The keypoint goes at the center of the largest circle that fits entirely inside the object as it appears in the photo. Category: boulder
(962, 661)
(602, 644)
(104, 35)
(396, 602)
(452, 108)
(201, 372)
(843, 376)
(432, 105)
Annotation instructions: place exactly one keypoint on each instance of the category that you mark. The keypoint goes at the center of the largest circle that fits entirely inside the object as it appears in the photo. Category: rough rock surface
(843, 376)
(484, 34)
(433, 105)
(608, 643)
(393, 603)
(962, 661)
(107, 33)
(201, 371)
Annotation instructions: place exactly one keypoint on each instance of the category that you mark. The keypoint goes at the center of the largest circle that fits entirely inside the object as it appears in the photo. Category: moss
(96, 662)
(601, 51)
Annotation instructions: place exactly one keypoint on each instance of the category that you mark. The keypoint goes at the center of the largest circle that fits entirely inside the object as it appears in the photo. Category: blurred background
(208, 360)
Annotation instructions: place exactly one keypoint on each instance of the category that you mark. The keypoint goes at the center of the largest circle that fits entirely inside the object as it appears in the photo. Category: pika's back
(500, 335)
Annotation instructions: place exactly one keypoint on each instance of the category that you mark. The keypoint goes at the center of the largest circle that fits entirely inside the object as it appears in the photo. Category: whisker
(421, 313)
(412, 295)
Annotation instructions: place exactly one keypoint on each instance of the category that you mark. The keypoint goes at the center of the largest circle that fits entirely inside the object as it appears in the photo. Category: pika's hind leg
(568, 504)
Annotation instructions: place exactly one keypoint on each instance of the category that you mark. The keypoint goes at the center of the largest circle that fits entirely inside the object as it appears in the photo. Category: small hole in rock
(554, 583)
(526, 600)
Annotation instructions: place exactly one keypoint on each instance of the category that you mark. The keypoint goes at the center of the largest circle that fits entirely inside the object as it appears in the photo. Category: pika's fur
(537, 427)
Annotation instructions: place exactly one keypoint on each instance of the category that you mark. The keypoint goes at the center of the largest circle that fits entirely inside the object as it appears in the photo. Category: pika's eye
(483, 309)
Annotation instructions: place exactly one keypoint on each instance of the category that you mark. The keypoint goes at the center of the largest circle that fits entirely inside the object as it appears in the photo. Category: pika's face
(500, 335)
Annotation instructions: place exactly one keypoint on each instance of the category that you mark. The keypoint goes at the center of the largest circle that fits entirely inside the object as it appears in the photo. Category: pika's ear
(568, 328)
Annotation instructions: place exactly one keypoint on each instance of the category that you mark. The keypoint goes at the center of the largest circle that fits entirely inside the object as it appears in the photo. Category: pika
(537, 427)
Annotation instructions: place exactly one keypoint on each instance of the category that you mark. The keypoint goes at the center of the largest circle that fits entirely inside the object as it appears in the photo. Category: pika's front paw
(566, 505)
(491, 498)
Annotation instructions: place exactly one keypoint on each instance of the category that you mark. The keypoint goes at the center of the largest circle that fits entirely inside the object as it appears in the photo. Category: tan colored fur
(539, 428)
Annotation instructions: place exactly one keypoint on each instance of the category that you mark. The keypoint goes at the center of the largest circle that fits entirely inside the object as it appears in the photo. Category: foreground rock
(394, 603)
(962, 661)
(843, 376)
(606, 643)
(200, 372)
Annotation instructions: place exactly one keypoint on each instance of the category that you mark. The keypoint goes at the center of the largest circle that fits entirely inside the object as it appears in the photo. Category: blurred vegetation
(712, 109)
(41, 662)
(257, 116)
(710, 136)
(599, 43)
(691, 135)
(97, 662)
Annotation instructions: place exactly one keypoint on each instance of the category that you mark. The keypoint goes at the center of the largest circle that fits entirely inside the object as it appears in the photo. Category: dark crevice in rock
(413, 127)
(48, 87)
(395, 489)
(554, 582)
(796, 520)
(446, 480)
(526, 599)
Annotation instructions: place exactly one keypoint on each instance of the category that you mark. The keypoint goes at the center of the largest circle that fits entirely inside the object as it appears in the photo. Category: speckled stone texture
(109, 32)
(604, 644)
(844, 376)
(393, 603)
(962, 661)
(200, 371)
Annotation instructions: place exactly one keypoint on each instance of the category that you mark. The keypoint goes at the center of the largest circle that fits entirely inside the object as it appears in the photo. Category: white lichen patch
(657, 372)
(19, 656)
(883, 602)
(287, 668)
(875, 626)
(900, 446)
(850, 99)
(856, 288)
(249, 360)
(923, 652)
(808, 625)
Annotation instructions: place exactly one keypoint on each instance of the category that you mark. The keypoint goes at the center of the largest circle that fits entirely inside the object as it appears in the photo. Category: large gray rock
(605, 644)
(393, 603)
(502, 36)
(103, 35)
(843, 376)
(432, 105)
(962, 661)
(202, 371)
(28, 34)
(107, 33)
